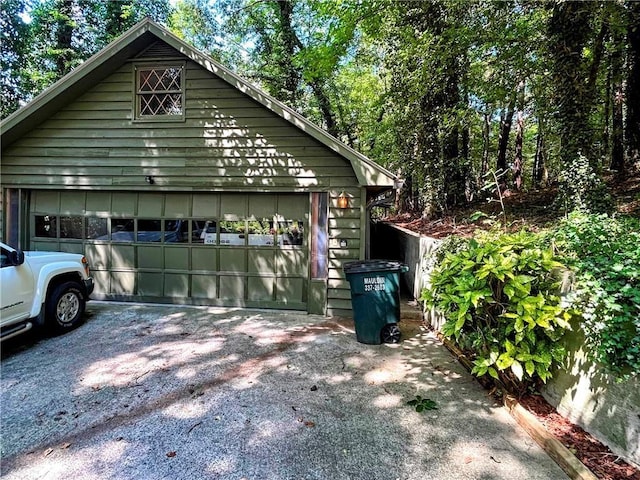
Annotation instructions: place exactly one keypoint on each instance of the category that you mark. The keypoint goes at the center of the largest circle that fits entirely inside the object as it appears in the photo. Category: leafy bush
(499, 295)
(581, 188)
(605, 254)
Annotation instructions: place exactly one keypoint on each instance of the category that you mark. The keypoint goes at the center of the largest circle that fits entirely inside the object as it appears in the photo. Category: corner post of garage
(13, 222)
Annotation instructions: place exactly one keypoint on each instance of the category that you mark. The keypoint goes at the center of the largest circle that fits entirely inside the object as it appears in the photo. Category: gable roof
(135, 40)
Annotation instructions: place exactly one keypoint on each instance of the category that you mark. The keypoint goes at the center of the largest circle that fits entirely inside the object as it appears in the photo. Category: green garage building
(183, 183)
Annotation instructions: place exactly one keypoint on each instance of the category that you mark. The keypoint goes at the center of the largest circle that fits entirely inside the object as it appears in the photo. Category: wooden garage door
(211, 249)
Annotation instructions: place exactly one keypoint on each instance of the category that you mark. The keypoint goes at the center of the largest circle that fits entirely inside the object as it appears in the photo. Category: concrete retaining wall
(580, 391)
(610, 411)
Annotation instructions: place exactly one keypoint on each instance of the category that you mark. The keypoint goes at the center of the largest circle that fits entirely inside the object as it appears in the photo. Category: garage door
(211, 249)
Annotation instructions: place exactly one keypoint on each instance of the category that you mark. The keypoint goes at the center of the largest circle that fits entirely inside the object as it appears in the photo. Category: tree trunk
(291, 42)
(506, 119)
(518, 158)
(64, 35)
(325, 107)
(453, 168)
(569, 32)
(405, 196)
(632, 126)
(486, 130)
(539, 164)
(617, 127)
(606, 114)
(518, 161)
(598, 50)
(345, 127)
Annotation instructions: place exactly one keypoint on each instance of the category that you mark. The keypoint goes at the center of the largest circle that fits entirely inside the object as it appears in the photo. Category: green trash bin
(375, 298)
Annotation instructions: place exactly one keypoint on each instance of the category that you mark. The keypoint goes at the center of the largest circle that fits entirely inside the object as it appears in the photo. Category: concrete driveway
(164, 392)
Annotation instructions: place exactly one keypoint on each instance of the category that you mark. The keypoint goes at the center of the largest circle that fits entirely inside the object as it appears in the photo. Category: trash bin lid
(365, 266)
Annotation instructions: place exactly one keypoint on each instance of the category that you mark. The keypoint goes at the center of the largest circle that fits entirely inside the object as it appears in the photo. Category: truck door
(16, 290)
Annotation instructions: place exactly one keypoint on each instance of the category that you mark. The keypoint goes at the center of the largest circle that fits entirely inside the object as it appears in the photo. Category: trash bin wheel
(390, 333)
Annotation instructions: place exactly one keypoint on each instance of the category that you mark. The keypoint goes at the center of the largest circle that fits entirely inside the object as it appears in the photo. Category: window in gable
(160, 92)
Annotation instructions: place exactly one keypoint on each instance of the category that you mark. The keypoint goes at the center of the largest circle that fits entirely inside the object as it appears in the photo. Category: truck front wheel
(65, 307)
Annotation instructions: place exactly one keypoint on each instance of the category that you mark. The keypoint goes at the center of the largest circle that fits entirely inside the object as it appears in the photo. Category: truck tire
(65, 307)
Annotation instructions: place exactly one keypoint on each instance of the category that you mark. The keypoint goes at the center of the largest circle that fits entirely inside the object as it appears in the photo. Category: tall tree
(570, 29)
(506, 121)
(506, 54)
(616, 77)
(13, 45)
(115, 17)
(195, 21)
(518, 157)
(53, 50)
(632, 125)
(297, 50)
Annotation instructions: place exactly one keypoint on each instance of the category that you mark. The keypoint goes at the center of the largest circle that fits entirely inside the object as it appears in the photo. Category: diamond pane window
(159, 92)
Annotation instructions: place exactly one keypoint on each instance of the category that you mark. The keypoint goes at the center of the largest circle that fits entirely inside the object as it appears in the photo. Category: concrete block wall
(579, 390)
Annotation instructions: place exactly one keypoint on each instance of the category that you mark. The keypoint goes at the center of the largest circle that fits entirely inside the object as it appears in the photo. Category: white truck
(48, 289)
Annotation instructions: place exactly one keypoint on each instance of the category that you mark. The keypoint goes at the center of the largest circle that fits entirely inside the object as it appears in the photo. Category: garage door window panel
(291, 233)
(204, 231)
(149, 231)
(176, 231)
(46, 226)
(71, 227)
(261, 233)
(97, 228)
(233, 232)
(122, 229)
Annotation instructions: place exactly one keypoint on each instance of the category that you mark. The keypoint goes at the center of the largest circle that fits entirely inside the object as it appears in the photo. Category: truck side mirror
(17, 257)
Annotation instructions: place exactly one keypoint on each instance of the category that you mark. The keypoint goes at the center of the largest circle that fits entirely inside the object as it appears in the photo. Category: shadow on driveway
(169, 392)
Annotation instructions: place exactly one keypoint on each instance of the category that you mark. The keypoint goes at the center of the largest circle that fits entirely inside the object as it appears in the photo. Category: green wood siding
(227, 143)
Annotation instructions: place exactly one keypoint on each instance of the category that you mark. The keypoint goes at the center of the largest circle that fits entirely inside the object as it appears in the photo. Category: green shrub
(499, 295)
(581, 188)
(605, 254)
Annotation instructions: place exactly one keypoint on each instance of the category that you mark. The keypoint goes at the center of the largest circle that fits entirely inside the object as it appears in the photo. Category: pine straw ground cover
(596, 456)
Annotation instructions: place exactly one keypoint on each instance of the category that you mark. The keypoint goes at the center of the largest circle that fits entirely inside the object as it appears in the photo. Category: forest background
(448, 94)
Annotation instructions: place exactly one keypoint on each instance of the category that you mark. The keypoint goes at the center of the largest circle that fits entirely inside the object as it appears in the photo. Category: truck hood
(59, 256)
